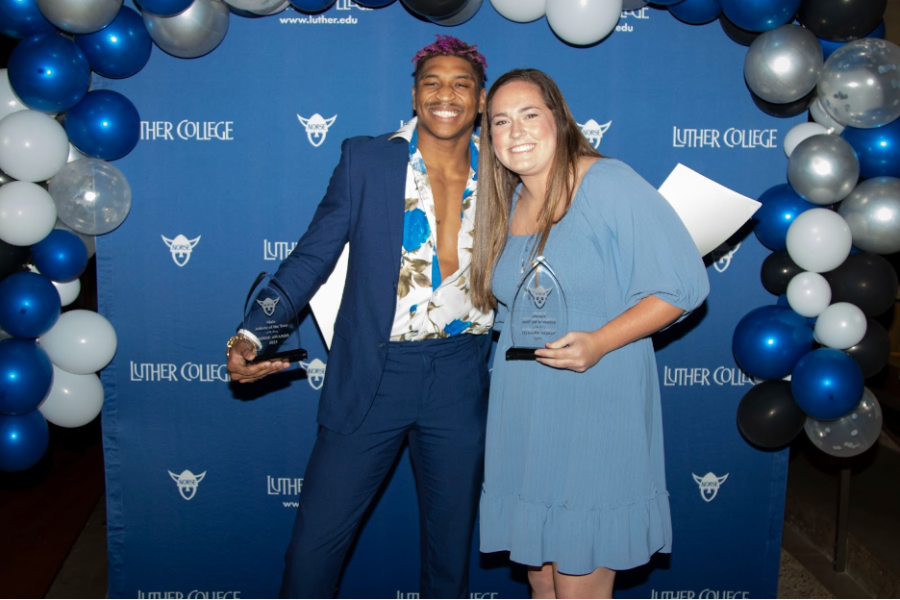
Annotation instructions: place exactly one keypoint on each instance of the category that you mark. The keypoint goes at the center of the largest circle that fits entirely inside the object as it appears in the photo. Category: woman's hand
(577, 351)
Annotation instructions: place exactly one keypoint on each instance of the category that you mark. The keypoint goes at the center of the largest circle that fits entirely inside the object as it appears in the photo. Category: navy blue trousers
(433, 393)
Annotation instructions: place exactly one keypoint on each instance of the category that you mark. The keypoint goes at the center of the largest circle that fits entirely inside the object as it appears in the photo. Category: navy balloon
(48, 72)
(23, 440)
(828, 46)
(696, 12)
(760, 15)
(770, 340)
(165, 8)
(120, 49)
(780, 206)
(61, 256)
(312, 6)
(374, 3)
(104, 125)
(827, 384)
(878, 149)
(29, 305)
(26, 376)
(22, 18)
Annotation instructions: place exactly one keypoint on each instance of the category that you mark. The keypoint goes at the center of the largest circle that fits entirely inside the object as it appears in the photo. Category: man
(408, 359)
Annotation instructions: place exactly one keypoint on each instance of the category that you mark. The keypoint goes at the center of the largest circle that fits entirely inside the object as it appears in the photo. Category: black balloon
(841, 20)
(866, 280)
(737, 34)
(873, 351)
(777, 271)
(435, 9)
(789, 109)
(13, 258)
(4, 178)
(768, 416)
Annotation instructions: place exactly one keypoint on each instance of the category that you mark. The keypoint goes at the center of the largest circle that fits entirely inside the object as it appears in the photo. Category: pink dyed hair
(447, 45)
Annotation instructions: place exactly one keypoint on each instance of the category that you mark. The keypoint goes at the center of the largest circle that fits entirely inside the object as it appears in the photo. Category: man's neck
(445, 155)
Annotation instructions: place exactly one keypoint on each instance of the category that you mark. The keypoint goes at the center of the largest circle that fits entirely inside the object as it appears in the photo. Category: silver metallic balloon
(823, 169)
(860, 83)
(851, 434)
(873, 213)
(783, 65)
(191, 33)
(80, 16)
(280, 6)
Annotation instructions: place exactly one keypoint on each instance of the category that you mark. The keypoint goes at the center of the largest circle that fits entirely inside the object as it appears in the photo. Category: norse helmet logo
(539, 294)
(181, 248)
(187, 483)
(594, 131)
(268, 305)
(315, 373)
(709, 485)
(316, 128)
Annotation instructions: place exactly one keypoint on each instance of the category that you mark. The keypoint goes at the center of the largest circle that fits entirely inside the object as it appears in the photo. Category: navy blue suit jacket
(364, 205)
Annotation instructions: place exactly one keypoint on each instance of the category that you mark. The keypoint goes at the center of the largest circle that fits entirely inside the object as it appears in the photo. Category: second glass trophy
(269, 315)
(538, 314)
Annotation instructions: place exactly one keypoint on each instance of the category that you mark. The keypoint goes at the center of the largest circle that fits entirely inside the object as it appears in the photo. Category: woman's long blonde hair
(496, 183)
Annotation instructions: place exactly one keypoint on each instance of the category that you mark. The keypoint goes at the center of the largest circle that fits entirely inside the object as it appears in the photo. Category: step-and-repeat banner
(236, 150)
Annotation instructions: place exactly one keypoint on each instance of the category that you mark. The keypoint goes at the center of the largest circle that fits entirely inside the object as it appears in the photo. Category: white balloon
(521, 11)
(583, 22)
(800, 132)
(68, 291)
(808, 294)
(841, 326)
(33, 146)
(81, 342)
(254, 5)
(9, 102)
(274, 9)
(819, 240)
(817, 112)
(27, 213)
(74, 400)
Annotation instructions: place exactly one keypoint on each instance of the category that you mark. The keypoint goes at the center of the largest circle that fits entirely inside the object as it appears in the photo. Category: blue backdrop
(203, 478)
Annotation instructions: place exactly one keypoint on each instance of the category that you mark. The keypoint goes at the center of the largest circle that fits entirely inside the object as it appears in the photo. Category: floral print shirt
(431, 304)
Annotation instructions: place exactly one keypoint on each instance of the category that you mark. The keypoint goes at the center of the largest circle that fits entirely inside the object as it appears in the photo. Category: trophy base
(287, 356)
(520, 354)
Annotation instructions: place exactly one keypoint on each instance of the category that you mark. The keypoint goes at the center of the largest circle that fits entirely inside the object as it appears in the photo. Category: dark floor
(53, 521)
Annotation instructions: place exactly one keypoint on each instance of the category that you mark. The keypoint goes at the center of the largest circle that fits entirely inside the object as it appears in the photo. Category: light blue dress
(574, 465)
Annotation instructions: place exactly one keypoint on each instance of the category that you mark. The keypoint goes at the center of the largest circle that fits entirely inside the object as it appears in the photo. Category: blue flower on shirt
(456, 326)
(415, 229)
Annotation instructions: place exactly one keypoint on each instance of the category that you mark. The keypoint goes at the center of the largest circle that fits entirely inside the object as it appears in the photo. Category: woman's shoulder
(611, 171)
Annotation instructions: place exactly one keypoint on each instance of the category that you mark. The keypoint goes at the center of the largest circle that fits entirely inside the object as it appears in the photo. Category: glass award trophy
(538, 314)
(269, 315)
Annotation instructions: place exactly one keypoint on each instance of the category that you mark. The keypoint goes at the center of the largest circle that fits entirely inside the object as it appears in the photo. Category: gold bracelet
(233, 340)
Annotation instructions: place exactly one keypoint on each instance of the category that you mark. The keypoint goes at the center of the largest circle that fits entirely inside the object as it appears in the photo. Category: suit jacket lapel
(393, 170)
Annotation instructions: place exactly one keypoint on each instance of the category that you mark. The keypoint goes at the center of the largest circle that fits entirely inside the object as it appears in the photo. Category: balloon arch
(827, 227)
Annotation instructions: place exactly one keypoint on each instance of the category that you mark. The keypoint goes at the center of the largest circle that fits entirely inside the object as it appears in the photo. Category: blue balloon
(165, 8)
(61, 256)
(48, 72)
(29, 305)
(120, 49)
(23, 440)
(312, 6)
(780, 206)
(828, 47)
(827, 384)
(760, 15)
(22, 18)
(770, 340)
(104, 125)
(782, 301)
(696, 12)
(878, 149)
(26, 376)
(668, 2)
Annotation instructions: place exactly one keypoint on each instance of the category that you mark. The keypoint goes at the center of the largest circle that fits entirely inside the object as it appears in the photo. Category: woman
(574, 481)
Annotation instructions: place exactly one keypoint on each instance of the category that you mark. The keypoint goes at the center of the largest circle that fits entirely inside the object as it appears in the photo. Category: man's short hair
(447, 45)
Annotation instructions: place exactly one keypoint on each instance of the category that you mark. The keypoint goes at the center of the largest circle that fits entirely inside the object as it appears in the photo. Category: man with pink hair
(408, 359)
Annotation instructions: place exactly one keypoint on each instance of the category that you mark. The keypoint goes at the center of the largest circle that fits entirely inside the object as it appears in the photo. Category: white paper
(327, 300)
(711, 212)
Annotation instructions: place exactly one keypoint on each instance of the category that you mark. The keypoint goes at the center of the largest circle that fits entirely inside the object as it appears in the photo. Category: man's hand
(242, 352)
